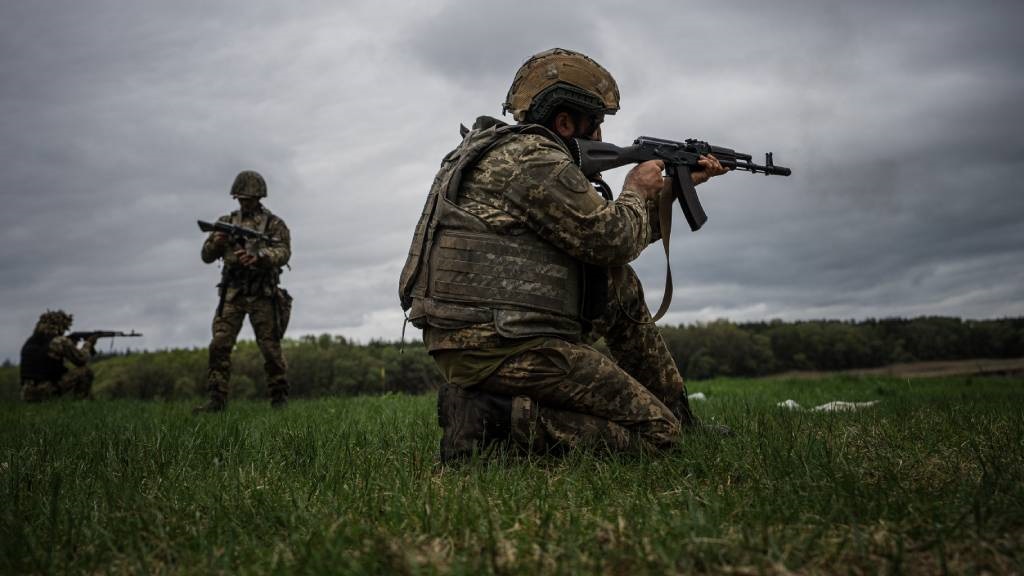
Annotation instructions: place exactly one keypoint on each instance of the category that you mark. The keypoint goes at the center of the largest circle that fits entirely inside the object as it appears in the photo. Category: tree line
(722, 348)
(329, 365)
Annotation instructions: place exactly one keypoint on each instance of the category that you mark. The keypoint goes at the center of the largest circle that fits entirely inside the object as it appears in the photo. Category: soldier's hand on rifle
(220, 239)
(711, 167)
(245, 258)
(646, 179)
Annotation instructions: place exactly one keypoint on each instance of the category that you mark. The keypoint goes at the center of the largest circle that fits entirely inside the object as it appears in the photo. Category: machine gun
(680, 159)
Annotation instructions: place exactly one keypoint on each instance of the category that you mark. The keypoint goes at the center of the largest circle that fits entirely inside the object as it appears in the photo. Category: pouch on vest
(282, 311)
(440, 208)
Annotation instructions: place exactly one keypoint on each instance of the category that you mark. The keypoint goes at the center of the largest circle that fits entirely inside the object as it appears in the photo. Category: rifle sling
(665, 224)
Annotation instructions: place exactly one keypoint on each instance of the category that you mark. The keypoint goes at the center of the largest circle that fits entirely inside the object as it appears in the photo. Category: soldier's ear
(564, 124)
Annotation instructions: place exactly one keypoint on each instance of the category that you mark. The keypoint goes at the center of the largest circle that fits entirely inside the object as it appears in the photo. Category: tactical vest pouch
(499, 271)
(452, 316)
(440, 208)
(526, 324)
(282, 311)
(251, 281)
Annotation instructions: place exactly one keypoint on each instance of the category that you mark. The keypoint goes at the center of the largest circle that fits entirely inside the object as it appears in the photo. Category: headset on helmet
(560, 77)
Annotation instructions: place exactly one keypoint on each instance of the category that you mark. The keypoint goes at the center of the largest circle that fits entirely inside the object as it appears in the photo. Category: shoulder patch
(571, 177)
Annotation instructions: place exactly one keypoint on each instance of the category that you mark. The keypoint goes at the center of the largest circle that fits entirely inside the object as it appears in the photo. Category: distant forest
(332, 365)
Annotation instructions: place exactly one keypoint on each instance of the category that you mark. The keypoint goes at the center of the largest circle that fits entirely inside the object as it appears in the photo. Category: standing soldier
(249, 285)
(519, 262)
(43, 370)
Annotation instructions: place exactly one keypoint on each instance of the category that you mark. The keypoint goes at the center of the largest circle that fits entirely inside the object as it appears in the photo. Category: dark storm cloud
(471, 42)
(120, 129)
(904, 152)
(122, 123)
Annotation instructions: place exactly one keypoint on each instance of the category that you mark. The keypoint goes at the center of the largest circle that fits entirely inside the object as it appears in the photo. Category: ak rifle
(681, 158)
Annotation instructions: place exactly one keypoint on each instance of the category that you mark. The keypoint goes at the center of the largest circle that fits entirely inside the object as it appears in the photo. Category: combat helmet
(54, 322)
(560, 77)
(249, 184)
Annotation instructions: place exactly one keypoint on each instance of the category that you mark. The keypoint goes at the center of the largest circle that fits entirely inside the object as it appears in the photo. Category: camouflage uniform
(43, 371)
(253, 291)
(521, 186)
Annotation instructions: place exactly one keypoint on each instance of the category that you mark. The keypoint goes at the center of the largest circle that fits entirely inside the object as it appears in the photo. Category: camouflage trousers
(226, 325)
(568, 394)
(77, 380)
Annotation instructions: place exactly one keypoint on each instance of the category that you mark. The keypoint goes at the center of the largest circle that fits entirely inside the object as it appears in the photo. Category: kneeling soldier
(44, 373)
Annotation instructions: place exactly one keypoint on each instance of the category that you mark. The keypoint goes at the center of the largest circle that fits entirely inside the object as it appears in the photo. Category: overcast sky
(121, 123)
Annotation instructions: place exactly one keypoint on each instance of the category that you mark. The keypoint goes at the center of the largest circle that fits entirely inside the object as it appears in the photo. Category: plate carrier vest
(459, 272)
(36, 363)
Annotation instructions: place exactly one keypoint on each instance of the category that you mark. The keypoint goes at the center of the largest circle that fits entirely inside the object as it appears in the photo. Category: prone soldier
(250, 285)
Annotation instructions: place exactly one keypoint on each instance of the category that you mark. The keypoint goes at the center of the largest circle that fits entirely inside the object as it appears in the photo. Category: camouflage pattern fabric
(530, 183)
(558, 66)
(54, 322)
(77, 380)
(566, 393)
(572, 395)
(569, 395)
(272, 257)
(638, 347)
(249, 183)
(226, 326)
(63, 348)
(253, 295)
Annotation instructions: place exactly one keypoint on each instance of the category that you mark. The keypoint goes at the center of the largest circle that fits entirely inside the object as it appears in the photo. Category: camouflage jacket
(43, 357)
(63, 348)
(527, 184)
(261, 279)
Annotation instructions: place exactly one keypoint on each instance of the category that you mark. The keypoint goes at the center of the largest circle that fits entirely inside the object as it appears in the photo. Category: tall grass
(928, 480)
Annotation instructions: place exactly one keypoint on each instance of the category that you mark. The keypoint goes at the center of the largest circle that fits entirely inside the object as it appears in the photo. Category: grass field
(929, 480)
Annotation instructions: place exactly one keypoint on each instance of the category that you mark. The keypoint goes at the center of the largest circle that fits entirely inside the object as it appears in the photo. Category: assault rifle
(680, 159)
(76, 336)
(238, 234)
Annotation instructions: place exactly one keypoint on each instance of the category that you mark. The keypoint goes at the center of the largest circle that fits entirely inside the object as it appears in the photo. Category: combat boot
(471, 422)
(681, 410)
(213, 405)
(278, 400)
(693, 425)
